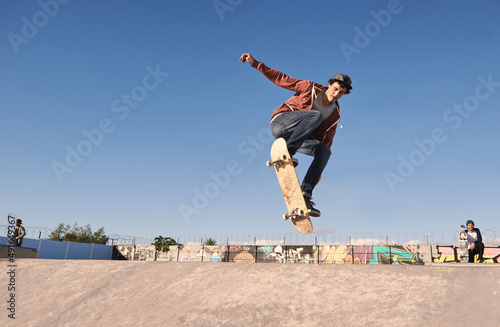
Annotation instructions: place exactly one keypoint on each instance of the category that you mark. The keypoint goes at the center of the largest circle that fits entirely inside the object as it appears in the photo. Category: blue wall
(57, 250)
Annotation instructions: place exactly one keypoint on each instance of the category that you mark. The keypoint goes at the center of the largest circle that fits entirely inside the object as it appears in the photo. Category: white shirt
(471, 237)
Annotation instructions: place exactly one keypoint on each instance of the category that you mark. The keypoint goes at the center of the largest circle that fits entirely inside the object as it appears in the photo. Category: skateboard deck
(463, 246)
(290, 186)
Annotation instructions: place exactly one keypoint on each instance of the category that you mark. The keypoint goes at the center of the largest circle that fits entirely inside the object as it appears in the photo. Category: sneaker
(313, 212)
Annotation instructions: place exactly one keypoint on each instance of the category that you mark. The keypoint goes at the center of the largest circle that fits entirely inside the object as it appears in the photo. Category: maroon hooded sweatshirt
(305, 93)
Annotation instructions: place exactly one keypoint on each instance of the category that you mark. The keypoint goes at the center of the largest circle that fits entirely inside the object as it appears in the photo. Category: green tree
(78, 234)
(162, 244)
(210, 241)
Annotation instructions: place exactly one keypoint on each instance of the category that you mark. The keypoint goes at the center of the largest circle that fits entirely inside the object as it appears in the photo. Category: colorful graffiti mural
(305, 254)
(450, 253)
(371, 254)
(272, 254)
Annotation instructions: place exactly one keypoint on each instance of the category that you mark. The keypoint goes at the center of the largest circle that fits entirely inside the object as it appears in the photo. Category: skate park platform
(146, 293)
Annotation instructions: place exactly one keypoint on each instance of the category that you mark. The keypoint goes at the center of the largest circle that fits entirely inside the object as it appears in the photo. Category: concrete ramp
(124, 293)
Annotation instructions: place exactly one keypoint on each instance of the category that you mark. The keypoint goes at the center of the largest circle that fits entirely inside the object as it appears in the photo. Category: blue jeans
(296, 128)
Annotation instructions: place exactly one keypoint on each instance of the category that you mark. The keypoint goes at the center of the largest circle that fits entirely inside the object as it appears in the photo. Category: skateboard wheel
(285, 216)
(269, 163)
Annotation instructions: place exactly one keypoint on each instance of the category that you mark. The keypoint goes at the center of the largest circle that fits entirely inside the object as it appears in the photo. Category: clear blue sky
(120, 113)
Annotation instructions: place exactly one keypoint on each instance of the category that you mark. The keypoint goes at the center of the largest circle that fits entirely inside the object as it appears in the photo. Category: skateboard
(289, 183)
(463, 246)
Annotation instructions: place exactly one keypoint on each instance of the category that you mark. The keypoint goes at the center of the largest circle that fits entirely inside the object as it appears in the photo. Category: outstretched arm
(276, 76)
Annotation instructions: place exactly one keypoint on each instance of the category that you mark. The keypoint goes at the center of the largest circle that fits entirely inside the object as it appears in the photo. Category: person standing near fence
(475, 240)
(19, 233)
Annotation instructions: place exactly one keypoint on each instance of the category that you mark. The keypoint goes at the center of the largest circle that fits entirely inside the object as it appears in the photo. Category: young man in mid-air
(307, 121)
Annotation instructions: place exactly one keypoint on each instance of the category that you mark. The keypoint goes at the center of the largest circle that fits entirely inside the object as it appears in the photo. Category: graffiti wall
(450, 253)
(272, 254)
(201, 253)
(144, 252)
(307, 254)
(287, 254)
(140, 252)
(373, 254)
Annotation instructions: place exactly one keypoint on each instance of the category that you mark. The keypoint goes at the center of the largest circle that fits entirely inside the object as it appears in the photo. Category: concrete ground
(125, 293)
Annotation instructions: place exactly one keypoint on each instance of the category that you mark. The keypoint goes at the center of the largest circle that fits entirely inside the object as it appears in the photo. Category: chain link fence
(490, 238)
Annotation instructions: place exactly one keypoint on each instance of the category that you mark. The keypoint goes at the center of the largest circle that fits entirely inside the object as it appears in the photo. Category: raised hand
(247, 57)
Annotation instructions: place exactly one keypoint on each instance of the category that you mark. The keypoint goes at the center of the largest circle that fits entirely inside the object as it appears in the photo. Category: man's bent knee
(278, 130)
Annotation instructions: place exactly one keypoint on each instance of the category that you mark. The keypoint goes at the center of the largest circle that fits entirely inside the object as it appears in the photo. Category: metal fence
(490, 238)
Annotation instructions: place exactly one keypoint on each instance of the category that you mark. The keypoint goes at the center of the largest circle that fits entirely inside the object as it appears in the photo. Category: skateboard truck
(295, 213)
(278, 162)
